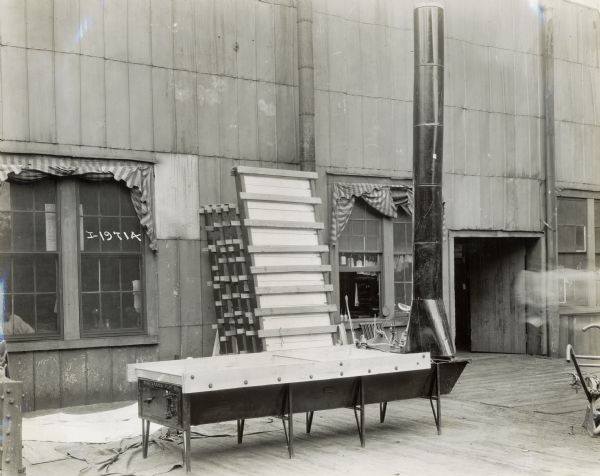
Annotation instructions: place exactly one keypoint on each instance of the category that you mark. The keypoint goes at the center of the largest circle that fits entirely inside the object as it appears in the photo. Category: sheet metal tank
(428, 328)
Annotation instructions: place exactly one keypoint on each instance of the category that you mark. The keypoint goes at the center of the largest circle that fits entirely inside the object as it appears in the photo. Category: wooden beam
(289, 249)
(297, 331)
(265, 197)
(316, 268)
(285, 311)
(327, 288)
(242, 170)
(309, 225)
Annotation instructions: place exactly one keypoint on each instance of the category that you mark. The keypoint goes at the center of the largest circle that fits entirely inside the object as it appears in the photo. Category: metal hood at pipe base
(428, 329)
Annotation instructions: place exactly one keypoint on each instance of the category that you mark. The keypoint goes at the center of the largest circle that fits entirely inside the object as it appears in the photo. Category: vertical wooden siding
(60, 378)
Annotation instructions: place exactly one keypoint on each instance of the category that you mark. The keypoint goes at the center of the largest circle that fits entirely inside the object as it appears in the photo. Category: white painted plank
(287, 300)
(186, 112)
(140, 114)
(280, 211)
(184, 37)
(290, 279)
(282, 259)
(138, 34)
(161, 15)
(91, 19)
(163, 104)
(42, 119)
(277, 185)
(275, 343)
(93, 117)
(117, 104)
(276, 322)
(289, 237)
(14, 94)
(68, 105)
(209, 97)
(115, 30)
(13, 24)
(40, 24)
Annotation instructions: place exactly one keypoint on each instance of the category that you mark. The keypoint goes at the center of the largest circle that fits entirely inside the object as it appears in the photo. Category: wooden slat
(296, 331)
(290, 269)
(293, 289)
(274, 172)
(266, 197)
(280, 311)
(289, 249)
(284, 224)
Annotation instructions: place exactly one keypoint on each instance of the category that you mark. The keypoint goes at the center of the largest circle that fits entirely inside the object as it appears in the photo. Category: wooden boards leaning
(230, 280)
(289, 279)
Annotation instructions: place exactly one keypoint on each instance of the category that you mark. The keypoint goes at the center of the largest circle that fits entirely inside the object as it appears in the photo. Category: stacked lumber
(233, 303)
(289, 280)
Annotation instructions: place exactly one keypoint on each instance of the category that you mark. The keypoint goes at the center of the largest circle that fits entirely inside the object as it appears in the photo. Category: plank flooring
(508, 415)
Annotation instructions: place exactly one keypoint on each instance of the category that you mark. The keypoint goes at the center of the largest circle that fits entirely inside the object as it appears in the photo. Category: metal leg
(359, 410)
(240, 430)
(187, 450)
(437, 411)
(309, 420)
(289, 416)
(145, 437)
(382, 410)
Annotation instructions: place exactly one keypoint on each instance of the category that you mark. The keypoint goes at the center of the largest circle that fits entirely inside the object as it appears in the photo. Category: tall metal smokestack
(428, 329)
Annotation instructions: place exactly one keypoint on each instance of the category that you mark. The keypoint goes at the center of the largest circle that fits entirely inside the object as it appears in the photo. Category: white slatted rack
(291, 282)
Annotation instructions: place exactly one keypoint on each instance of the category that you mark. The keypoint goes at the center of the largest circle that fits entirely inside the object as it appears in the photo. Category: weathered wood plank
(265, 42)
(15, 111)
(40, 24)
(42, 110)
(99, 375)
(186, 114)
(209, 98)
(68, 98)
(139, 38)
(121, 388)
(140, 107)
(191, 282)
(204, 28)
(21, 368)
(163, 105)
(46, 367)
(168, 283)
(117, 105)
(73, 377)
(115, 30)
(93, 113)
(192, 341)
(13, 23)
(67, 34)
(184, 37)
(161, 14)
(286, 118)
(91, 18)
(247, 119)
(225, 29)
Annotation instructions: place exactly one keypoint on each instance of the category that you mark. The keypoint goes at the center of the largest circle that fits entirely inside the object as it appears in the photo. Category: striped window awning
(383, 198)
(138, 177)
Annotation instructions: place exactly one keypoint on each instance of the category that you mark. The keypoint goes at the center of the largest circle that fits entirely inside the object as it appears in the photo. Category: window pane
(5, 275)
(23, 274)
(109, 274)
(5, 230)
(130, 273)
(372, 243)
(127, 205)
(109, 200)
(131, 234)
(5, 196)
(24, 308)
(90, 236)
(46, 267)
(88, 197)
(21, 197)
(357, 227)
(109, 240)
(47, 317)
(132, 317)
(22, 231)
(362, 290)
(45, 195)
(90, 312)
(111, 310)
(90, 277)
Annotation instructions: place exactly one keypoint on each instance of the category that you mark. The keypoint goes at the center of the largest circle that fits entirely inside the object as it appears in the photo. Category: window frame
(59, 335)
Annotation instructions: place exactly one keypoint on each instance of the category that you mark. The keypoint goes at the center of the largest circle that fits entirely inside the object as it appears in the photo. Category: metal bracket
(289, 417)
(435, 395)
(359, 410)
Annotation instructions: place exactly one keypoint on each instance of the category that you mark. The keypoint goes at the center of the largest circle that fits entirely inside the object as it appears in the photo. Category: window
(70, 241)
(360, 249)
(403, 240)
(364, 277)
(572, 249)
(29, 260)
(110, 243)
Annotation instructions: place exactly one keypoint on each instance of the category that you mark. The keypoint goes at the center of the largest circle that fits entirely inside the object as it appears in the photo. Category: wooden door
(498, 314)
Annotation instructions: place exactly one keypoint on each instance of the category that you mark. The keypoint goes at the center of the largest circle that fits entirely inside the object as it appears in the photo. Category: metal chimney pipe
(428, 329)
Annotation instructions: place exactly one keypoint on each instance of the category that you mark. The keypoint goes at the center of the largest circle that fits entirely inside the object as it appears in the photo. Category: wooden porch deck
(508, 415)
